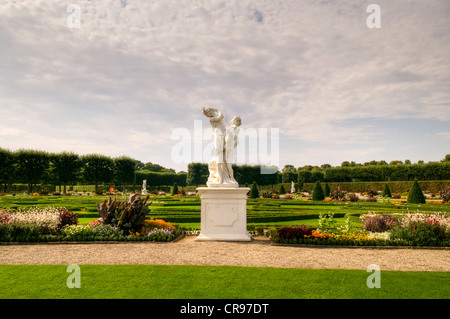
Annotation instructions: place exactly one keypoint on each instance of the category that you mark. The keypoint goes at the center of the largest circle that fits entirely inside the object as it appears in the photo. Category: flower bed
(411, 229)
(59, 224)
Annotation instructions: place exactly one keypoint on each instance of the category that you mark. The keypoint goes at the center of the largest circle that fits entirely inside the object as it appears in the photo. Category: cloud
(136, 70)
(444, 134)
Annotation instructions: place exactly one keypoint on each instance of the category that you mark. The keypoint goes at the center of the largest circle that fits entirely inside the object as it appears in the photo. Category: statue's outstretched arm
(219, 116)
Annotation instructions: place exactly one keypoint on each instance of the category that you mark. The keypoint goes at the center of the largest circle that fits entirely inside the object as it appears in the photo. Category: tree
(31, 165)
(139, 166)
(197, 174)
(156, 168)
(289, 176)
(248, 174)
(387, 191)
(289, 168)
(317, 176)
(124, 170)
(269, 179)
(318, 192)
(345, 164)
(415, 195)
(65, 167)
(304, 176)
(7, 167)
(97, 169)
(254, 192)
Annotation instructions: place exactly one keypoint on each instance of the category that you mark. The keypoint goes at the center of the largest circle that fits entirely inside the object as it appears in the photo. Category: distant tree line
(33, 167)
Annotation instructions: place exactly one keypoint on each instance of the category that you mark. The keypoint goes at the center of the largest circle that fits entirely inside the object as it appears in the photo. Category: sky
(137, 72)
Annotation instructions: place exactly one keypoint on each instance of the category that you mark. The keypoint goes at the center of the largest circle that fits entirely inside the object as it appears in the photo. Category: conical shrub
(318, 192)
(254, 192)
(326, 190)
(281, 191)
(416, 195)
(387, 191)
(175, 189)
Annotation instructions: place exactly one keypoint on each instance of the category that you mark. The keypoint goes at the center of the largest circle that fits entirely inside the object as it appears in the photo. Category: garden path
(259, 252)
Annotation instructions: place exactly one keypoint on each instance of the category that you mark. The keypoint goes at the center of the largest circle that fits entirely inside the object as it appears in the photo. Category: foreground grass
(215, 282)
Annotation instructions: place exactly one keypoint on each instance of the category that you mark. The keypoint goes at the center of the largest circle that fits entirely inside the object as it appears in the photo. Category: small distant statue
(292, 187)
(144, 187)
(225, 141)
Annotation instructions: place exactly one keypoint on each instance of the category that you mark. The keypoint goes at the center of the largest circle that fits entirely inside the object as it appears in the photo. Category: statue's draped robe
(220, 170)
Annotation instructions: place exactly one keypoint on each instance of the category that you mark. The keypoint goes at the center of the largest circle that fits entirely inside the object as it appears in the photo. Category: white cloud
(136, 70)
(444, 134)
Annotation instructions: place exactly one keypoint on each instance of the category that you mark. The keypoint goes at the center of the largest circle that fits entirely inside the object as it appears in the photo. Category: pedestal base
(223, 214)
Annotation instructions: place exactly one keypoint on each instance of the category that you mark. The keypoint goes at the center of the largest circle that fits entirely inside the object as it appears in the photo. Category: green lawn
(214, 282)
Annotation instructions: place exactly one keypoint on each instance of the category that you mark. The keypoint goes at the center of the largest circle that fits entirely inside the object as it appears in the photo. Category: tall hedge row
(434, 171)
(244, 174)
(160, 178)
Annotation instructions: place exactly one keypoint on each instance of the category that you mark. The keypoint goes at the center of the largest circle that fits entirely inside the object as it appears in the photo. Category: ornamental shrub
(445, 195)
(175, 189)
(378, 223)
(372, 193)
(294, 232)
(281, 191)
(128, 215)
(421, 234)
(254, 192)
(19, 232)
(326, 190)
(416, 195)
(318, 192)
(337, 194)
(387, 191)
(67, 218)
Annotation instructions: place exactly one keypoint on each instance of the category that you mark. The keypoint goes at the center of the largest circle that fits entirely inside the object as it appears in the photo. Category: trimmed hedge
(395, 187)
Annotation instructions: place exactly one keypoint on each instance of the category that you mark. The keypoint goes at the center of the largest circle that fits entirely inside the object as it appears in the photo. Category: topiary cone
(318, 192)
(416, 195)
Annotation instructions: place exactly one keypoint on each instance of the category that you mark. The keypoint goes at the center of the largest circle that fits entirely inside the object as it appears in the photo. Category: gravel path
(259, 252)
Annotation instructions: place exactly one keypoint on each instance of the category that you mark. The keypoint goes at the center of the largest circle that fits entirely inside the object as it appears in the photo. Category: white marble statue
(144, 187)
(292, 187)
(225, 140)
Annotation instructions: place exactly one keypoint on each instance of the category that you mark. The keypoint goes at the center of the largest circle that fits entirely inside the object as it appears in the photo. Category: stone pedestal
(223, 214)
